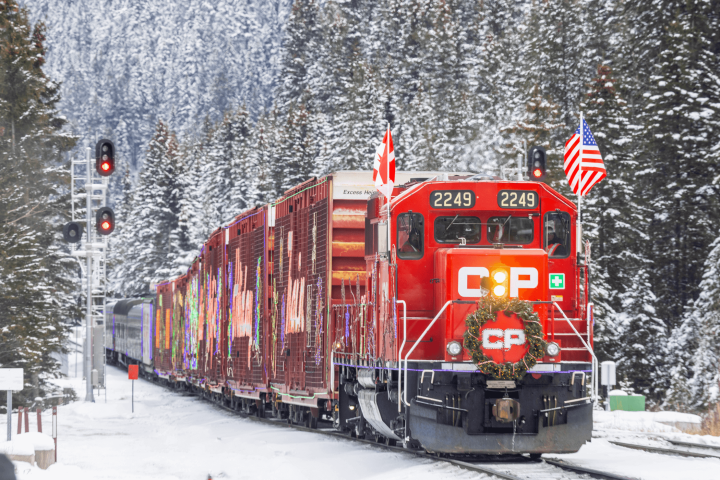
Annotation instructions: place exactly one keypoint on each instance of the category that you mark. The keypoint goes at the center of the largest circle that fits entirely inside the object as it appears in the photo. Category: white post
(9, 415)
(88, 256)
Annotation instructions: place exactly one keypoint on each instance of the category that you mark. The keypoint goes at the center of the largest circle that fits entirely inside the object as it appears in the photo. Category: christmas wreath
(487, 310)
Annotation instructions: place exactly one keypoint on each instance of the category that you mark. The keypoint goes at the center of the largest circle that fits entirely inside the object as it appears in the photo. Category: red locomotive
(319, 307)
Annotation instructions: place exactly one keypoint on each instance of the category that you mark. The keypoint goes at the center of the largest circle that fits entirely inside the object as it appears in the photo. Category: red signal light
(105, 220)
(537, 173)
(105, 157)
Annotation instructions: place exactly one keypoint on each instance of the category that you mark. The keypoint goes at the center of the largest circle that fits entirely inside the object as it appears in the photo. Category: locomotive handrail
(417, 342)
(594, 358)
(402, 345)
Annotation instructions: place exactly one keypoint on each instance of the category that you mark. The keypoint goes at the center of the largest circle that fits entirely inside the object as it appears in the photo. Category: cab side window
(556, 234)
(410, 233)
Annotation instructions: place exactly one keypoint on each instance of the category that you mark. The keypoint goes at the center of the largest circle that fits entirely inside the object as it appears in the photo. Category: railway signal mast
(95, 248)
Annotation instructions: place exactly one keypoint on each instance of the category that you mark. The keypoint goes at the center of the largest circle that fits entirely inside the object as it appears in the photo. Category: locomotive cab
(453, 241)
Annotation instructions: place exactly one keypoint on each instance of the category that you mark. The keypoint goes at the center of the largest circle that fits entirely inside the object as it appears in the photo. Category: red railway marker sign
(133, 375)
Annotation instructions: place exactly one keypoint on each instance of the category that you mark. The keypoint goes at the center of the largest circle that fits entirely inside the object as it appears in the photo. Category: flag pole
(578, 234)
(389, 194)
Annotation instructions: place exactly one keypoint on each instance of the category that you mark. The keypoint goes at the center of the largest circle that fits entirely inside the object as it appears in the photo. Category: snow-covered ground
(171, 437)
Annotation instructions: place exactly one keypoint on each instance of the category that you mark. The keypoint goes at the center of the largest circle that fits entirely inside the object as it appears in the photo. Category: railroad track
(516, 467)
(668, 451)
(714, 448)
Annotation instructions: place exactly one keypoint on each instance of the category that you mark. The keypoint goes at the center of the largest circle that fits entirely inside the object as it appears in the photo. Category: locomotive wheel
(310, 421)
(535, 456)
(390, 442)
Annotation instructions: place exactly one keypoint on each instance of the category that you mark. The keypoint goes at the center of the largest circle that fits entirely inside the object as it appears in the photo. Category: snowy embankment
(171, 436)
(646, 428)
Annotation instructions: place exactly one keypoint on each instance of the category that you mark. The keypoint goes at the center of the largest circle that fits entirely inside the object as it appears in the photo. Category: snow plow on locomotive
(455, 319)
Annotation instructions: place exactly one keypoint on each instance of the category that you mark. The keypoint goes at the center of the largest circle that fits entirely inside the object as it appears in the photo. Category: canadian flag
(384, 166)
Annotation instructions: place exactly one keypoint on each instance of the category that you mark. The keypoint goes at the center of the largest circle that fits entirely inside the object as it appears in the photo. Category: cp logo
(504, 339)
(520, 277)
(496, 338)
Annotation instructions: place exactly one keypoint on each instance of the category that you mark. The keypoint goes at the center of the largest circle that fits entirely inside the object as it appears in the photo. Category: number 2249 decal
(520, 199)
(452, 199)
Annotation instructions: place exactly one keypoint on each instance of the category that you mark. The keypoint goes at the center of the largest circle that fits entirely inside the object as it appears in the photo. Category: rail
(587, 346)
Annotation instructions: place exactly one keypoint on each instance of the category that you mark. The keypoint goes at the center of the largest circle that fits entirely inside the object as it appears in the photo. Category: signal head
(105, 221)
(105, 157)
(537, 164)
(72, 232)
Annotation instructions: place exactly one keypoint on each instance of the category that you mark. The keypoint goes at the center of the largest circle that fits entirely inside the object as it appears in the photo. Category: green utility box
(628, 403)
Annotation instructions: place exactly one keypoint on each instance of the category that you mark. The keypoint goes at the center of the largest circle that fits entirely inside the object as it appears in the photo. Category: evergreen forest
(465, 85)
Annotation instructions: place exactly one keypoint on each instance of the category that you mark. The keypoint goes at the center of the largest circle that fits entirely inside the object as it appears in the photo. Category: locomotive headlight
(454, 348)
(500, 279)
(552, 349)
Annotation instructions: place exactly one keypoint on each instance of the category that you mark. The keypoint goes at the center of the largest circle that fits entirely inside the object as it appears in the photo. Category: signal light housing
(537, 164)
(105, 221)
(72, 232)
(105, 157)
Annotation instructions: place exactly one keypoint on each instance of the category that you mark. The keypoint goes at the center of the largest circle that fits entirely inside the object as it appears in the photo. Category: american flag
(593, 169)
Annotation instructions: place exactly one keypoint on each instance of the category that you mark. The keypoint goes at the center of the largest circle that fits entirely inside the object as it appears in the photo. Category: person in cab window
(410, 234)
(412, 244)
(496, 231)
(555, 248)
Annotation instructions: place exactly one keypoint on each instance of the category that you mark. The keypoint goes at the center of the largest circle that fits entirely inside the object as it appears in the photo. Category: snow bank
(40, 441)
(647, 422)
(19, 447)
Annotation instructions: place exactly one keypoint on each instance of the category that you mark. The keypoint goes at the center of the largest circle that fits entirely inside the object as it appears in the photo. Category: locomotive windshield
(513, 230)
(556, 236)
(453, 229)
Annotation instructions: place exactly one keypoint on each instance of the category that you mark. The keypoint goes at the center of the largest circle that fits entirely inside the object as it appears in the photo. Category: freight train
(454, 318)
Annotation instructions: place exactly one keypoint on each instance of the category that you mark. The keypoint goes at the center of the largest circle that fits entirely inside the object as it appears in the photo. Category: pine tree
(698, 334)
(302, 43)
(296, 150)
(242, 130)
(537, 125)
(36, 271)
(614, 219)
(154, 216)
(262, 184)
(554, 53)
(679, 115)
(215, 173)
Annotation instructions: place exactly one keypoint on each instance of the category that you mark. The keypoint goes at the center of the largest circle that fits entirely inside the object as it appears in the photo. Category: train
(454, 317)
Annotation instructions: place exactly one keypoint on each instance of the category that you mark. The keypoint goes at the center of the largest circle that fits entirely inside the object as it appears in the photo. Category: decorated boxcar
(454, 317)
